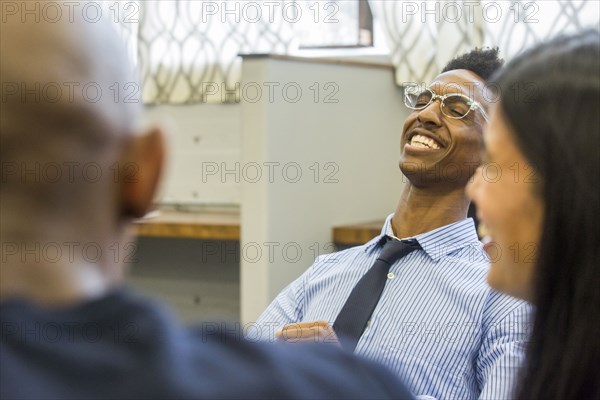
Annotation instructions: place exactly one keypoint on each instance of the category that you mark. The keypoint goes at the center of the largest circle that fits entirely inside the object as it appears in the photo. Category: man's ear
(141, 172)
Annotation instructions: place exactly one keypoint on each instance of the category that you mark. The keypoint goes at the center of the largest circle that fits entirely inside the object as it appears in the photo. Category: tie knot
(394, 249)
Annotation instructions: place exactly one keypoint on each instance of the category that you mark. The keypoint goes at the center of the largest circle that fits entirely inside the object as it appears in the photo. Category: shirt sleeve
(287, 308)
(502, 351)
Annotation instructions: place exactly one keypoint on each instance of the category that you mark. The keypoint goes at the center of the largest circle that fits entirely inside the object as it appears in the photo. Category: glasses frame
(434, 96)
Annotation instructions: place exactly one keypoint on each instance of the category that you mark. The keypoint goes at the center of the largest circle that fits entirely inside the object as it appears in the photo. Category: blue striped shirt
(437, 324)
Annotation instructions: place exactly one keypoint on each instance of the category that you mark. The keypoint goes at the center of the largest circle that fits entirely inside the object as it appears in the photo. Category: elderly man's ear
(140, 173)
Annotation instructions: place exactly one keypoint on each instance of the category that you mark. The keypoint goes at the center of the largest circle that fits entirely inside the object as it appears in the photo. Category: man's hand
(308, 332)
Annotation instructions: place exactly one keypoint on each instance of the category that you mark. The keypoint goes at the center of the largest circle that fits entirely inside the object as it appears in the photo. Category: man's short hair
(482, 61)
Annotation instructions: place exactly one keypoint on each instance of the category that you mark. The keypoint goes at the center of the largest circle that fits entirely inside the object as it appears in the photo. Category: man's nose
(431, 114)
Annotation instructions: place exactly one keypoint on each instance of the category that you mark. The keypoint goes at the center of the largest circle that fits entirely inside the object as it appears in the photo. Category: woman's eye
(485, 158)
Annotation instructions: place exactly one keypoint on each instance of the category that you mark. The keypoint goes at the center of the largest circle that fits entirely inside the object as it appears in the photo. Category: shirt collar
(436, 243)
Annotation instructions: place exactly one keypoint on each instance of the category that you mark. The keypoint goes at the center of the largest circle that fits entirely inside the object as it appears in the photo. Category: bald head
(66, 107)
(74, 169)
(67, 66)
(69, 110)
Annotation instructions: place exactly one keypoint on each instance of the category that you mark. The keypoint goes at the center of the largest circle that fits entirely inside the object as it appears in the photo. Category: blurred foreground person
(74, 172)
(543, 214)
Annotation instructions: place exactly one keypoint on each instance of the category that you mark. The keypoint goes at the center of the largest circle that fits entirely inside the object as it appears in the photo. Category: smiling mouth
(485, 234)
(424, 142)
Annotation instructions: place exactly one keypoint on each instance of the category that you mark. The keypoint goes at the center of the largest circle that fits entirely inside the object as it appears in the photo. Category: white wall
(200, 136)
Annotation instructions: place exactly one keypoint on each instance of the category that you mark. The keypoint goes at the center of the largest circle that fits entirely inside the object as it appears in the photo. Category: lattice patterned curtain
(187, 50)
(190, 48)
(424, 36)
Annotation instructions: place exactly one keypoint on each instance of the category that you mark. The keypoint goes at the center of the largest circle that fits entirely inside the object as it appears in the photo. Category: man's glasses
(452, 105)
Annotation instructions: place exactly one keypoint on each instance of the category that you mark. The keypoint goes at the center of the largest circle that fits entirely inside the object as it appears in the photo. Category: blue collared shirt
(437, 324)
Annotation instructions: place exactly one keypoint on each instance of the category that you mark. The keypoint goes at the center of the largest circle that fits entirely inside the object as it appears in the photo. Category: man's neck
(60, 271)
(423, 210)
(53, 284)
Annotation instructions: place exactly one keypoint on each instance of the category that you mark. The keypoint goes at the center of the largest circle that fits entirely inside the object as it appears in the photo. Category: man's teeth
(423, 141)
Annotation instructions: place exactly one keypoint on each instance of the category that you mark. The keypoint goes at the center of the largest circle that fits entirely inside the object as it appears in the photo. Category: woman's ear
(141, 171)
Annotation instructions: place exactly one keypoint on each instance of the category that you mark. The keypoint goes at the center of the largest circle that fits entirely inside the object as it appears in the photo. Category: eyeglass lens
(452, 106)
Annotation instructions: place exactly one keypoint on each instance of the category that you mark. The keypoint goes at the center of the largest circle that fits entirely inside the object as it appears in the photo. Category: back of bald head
(66, 110)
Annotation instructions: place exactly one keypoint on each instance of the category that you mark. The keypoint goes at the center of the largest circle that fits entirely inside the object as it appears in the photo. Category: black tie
(356, 312)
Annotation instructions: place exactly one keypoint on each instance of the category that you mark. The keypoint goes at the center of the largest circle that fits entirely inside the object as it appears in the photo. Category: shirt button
(390, 275)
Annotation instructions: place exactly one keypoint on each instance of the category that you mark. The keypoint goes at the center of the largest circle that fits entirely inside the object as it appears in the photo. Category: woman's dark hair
(550, 96)
(484, 62)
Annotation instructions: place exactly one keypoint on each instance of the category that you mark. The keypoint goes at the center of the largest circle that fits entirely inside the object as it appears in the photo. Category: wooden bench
(205, 223)
(356, 234)
(224, 224)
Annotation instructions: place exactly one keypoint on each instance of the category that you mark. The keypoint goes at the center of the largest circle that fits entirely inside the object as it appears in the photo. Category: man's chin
(426, 174)
(411, 166)
(419, 175)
